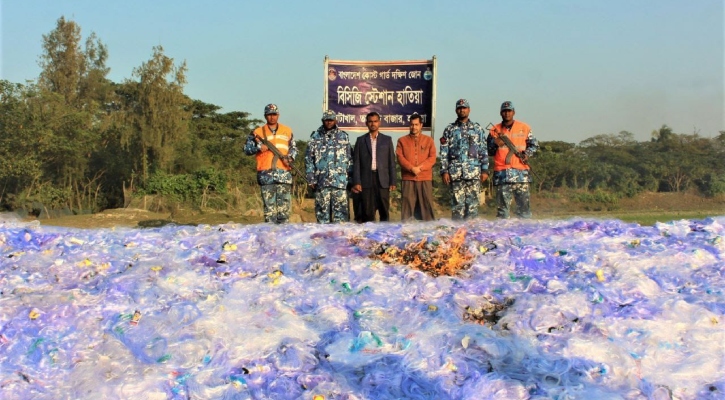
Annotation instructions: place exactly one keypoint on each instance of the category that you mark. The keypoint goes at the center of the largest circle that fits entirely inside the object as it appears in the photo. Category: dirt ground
(665, 204)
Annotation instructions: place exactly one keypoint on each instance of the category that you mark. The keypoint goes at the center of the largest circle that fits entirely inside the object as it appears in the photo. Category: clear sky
(573, 68)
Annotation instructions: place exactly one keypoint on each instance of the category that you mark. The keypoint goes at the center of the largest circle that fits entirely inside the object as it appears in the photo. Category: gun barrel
(520, 154)
(276, 152)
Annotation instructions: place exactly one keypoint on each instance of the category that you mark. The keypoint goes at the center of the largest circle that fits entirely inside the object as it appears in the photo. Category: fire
(434, 257)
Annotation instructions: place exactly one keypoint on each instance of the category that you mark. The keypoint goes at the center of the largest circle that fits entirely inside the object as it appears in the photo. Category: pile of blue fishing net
(577, 309)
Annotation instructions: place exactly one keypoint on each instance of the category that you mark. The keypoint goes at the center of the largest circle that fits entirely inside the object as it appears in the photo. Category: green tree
(550, 164)
(662, 135)
(67, 116)
(613, 161)
(218, 139)
(20, 163)
(158, 113)
(78, 74)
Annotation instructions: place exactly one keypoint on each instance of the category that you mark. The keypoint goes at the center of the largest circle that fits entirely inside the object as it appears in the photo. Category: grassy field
(645, 209)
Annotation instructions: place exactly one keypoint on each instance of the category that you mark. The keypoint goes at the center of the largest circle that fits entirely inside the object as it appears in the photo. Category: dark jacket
(363, 158)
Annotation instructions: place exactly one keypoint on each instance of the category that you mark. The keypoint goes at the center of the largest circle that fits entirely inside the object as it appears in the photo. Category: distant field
(641, 217)
(645, 209)
(112, 218)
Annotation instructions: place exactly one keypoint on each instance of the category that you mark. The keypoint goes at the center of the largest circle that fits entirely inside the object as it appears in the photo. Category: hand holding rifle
(265, 145)
(502, 140)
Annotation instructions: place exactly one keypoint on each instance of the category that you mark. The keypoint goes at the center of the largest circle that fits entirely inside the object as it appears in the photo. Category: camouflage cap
(329, 115)
(271, 109)
(462, 103)
(507, 105)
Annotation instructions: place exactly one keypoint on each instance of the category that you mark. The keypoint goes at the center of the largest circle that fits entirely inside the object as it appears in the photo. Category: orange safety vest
(280, 140)
(517, 134)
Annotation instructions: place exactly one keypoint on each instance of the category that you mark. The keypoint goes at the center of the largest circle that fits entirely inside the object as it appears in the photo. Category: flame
(446, 258)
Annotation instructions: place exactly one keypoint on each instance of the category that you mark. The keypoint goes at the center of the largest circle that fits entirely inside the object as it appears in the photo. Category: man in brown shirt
(416, 154)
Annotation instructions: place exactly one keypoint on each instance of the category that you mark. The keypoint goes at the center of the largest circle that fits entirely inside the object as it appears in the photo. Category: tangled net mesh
(443, 256)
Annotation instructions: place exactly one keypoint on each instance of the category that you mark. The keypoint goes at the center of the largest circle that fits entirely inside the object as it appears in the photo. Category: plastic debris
(600, 275)
(135, 318)
(487, 311)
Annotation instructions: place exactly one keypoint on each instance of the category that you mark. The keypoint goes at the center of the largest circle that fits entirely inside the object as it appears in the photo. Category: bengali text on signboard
(395, 90)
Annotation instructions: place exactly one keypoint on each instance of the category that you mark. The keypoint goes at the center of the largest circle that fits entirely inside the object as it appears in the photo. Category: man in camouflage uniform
(328, 165)
(511, 168)
(273, 172)
(464, 162)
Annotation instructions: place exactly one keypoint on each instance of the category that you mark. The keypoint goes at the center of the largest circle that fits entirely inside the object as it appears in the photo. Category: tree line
(73, 139)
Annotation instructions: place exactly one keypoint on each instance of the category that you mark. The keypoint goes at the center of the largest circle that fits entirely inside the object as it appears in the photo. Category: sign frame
(375, 75)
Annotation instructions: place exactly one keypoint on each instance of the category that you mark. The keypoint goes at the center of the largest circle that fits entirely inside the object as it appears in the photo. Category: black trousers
(375, 199)
(357, 206)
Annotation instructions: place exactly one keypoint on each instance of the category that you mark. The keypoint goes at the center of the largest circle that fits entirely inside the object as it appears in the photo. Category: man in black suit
(374, 170)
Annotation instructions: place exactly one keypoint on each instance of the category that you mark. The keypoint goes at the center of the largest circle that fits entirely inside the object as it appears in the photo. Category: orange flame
(448, 258)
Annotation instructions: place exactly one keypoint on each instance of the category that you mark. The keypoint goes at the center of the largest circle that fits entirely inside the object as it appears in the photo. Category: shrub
(712, 185)
(597, 201)
(186, 188)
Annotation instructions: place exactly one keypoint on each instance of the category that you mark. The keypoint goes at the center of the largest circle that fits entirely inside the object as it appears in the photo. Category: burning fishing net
(578, 309)
(440, 256)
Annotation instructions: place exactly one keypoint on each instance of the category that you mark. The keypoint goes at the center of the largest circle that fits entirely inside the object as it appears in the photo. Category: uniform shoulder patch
(443, 140)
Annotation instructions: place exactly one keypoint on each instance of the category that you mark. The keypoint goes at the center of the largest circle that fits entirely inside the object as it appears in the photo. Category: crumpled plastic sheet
(602, 309)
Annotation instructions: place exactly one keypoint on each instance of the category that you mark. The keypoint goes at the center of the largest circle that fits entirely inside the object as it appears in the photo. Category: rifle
(277, 154)
(513, 151)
